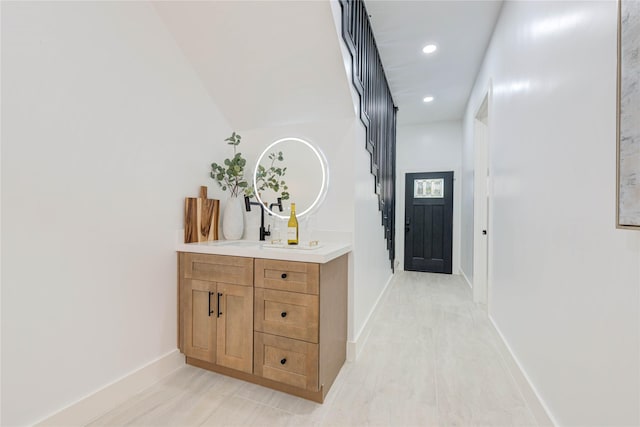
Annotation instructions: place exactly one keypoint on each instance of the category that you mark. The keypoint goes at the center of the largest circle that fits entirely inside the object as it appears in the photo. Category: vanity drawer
(287, 276)
(287, 314)
(286, 360)
(218, 268)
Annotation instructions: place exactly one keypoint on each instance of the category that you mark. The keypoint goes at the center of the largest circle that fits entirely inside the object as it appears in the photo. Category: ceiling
(460, 29)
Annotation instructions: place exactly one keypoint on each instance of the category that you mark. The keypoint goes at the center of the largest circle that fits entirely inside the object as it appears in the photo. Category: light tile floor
(431, 360)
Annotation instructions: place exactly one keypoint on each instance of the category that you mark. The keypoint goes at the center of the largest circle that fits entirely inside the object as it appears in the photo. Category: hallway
(432, 359)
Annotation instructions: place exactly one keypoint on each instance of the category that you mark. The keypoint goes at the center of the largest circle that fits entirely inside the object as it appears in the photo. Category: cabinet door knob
(284, 275)
(283, 361)
(283, 314)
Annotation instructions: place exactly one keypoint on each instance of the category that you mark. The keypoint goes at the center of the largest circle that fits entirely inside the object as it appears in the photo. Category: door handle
(484, 232)
(210, 311)
(407, 224)
(219, 312)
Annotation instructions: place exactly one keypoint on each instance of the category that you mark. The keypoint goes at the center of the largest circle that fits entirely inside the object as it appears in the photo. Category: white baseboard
(466, 279)
(354, 348)
(539, 409)
(102, 401)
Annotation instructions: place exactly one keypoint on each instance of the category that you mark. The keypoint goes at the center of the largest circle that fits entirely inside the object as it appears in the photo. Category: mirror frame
(325, 177)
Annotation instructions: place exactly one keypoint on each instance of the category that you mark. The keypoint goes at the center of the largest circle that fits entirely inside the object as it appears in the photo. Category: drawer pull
(284, 275)
(283, 361)
(283, 314)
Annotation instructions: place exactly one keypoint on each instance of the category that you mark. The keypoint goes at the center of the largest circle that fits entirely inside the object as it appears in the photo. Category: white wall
(434, 147)
(370, 267)
(564, 282)
(266, 63)
(105, 129)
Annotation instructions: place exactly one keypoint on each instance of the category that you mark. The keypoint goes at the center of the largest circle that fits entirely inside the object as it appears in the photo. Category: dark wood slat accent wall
(377, 110)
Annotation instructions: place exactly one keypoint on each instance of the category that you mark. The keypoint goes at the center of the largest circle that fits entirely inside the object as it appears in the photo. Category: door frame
(482, 202)
(457, 213)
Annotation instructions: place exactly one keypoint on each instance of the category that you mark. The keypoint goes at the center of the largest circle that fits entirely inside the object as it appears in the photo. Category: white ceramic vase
(233, 219)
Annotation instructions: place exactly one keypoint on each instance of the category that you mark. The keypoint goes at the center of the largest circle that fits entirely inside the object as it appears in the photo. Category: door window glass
(428, 188)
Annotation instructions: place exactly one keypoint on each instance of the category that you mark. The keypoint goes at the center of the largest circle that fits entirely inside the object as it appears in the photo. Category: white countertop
(255, 249)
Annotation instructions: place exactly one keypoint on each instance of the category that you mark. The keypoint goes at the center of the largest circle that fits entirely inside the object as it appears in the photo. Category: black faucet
(247, 205)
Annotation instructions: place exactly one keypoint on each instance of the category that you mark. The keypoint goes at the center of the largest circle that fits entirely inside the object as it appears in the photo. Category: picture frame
(628, 116)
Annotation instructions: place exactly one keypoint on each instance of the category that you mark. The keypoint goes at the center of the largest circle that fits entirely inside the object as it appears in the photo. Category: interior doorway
(481, 204)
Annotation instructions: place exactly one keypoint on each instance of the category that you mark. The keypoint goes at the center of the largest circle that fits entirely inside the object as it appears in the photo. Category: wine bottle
(292, 228)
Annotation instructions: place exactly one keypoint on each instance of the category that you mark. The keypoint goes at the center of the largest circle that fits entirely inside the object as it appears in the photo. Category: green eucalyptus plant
(272, 177)
(230, 176)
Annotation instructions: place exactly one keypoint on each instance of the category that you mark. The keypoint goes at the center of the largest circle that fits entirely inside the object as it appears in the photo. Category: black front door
(428, 237)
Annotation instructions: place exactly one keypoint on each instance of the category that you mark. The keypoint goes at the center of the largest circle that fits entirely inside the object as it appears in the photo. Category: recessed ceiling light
(430, 48)
(428, 99)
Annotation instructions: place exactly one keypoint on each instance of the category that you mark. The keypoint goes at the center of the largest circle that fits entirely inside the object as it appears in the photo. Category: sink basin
(304, 247)
(237, 243)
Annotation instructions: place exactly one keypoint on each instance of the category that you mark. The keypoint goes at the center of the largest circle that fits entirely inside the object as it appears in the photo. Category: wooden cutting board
(201, 218)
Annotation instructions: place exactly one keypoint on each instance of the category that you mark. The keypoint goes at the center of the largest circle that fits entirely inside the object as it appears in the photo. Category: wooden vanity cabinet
(281, 324)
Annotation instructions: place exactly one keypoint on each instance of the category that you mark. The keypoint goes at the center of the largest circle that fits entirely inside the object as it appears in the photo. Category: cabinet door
(199, 319)
(235, 327)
